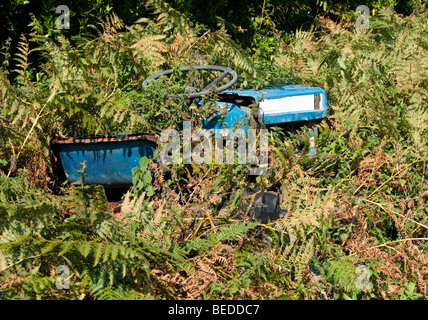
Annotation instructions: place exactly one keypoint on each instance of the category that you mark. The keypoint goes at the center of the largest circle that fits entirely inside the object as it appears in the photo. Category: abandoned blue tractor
(110, 160)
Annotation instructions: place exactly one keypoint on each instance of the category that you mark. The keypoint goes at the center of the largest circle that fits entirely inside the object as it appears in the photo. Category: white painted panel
(289, 104)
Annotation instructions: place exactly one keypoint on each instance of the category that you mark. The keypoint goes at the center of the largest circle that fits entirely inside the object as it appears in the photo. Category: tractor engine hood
(291, 103)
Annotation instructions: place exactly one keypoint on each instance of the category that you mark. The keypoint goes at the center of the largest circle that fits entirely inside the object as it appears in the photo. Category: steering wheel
(204, 91)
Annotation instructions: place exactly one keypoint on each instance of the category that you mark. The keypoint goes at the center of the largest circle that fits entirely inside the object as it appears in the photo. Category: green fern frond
(233, 231)
(21, 59)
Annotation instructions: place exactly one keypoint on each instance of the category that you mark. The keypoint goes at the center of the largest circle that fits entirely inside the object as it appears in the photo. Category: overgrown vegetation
(361, 201)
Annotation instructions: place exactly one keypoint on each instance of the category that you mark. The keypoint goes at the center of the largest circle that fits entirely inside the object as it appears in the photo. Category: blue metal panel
(233, 119)
(282, 92)
(291, 116)
(107, 163)
(277, 93)
(236, 115)
(312, 147)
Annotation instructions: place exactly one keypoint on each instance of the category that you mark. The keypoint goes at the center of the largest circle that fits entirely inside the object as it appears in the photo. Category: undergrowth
(361, 201)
